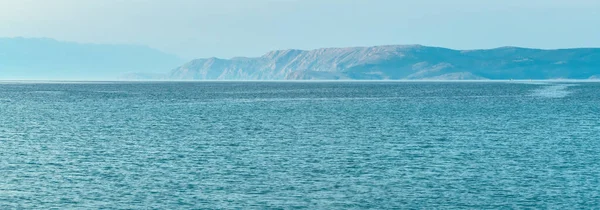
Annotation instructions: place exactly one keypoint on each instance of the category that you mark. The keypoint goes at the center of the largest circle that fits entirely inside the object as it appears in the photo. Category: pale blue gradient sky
(227, 28)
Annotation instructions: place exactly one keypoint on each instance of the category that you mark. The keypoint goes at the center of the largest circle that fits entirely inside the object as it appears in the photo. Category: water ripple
(299, 145)
(553, 90)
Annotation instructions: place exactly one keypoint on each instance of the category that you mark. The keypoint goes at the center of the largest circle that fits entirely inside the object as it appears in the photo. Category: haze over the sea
(298, 39)
(229, 28)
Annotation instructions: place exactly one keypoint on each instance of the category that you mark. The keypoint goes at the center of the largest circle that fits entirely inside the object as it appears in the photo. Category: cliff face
(398, 62)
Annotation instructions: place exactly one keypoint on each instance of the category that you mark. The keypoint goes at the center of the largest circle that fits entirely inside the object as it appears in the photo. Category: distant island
(43, 58)
(399, 62)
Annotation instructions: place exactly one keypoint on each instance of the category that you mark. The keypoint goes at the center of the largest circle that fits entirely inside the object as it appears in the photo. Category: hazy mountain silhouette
(43, 58)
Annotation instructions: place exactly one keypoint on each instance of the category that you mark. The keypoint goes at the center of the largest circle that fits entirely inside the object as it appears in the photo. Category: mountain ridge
(394, 62)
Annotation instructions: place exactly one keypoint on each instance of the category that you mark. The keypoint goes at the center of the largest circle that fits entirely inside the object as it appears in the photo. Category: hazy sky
(226, 28)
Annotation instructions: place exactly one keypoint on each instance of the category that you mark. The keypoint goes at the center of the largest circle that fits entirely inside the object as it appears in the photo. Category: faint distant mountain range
(412, 62)
(43, 58)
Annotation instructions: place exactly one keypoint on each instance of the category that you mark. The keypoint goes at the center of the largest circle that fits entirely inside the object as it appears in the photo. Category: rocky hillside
(398, 62)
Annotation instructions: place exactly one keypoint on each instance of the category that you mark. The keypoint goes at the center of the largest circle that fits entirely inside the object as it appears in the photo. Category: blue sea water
(315, 145)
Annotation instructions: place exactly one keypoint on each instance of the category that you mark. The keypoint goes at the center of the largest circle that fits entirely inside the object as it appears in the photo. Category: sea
(300, 145)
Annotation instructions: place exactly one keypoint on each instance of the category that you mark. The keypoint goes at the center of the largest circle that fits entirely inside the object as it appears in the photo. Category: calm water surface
(316, 145)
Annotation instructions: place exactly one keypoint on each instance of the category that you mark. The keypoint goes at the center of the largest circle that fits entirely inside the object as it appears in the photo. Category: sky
(229, 28)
